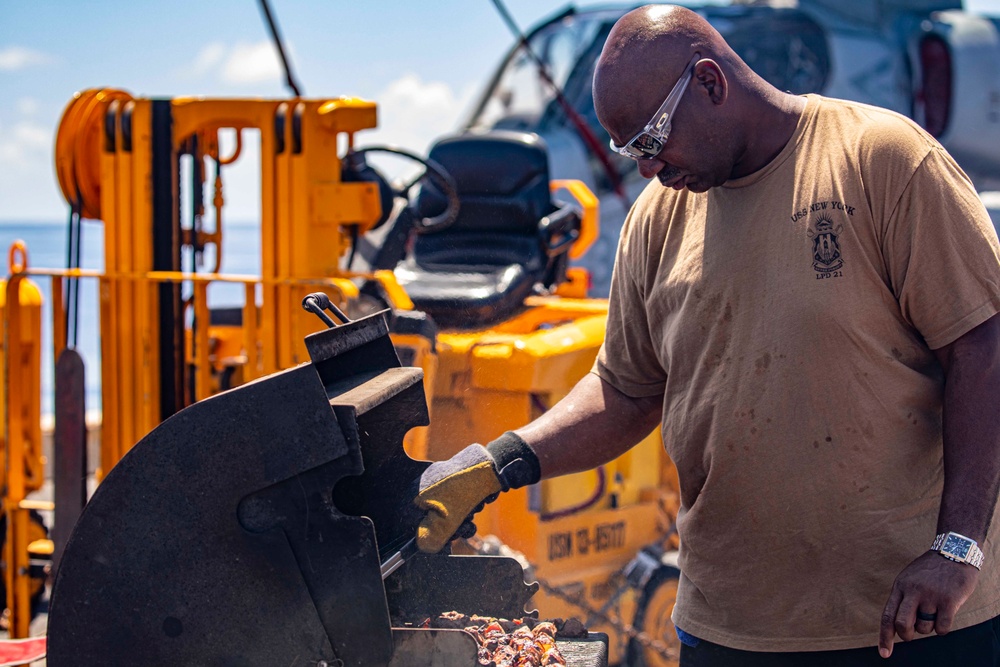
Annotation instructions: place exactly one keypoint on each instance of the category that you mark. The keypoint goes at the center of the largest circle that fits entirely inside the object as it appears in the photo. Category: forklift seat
(509, 239)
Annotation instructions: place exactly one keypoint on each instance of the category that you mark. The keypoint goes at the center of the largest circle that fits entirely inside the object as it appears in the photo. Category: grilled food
(521, 642)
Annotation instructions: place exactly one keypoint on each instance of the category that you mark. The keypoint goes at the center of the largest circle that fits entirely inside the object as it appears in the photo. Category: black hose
(71, 323)
(276, 37)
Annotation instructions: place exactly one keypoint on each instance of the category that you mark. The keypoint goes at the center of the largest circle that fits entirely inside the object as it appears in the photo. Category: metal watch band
(974, 557)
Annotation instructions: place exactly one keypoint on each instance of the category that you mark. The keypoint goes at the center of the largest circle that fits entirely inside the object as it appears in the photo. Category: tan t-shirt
(788, 319)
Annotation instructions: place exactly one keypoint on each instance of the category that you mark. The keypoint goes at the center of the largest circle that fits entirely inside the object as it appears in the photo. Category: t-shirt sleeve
(627, 359)
(942, 253)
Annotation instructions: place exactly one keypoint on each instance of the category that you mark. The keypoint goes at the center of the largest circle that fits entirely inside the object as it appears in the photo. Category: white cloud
(412, 113)
(15, 58)
(27, 106)
(240, 64)
(26, 143)
(207, 59)
(252, 63)
(33, 135)
(412, 102)
(28, 188)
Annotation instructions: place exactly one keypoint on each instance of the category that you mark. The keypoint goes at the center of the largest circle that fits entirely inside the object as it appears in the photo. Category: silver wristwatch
(958, 548)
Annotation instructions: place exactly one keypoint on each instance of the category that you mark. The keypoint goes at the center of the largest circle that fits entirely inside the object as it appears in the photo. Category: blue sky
(422, 61)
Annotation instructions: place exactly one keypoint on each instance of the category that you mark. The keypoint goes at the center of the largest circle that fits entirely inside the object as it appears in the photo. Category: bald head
(724, 110)
(644, 56)
(660, 31)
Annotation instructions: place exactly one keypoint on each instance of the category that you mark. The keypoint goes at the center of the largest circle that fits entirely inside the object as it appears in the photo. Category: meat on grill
(522, 642)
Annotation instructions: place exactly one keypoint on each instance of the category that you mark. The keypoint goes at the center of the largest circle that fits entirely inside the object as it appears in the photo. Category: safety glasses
(649, 142)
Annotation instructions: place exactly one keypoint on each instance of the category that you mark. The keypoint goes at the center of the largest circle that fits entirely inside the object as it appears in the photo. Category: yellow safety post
(251, 333)
(314, 209)
(590, 223)
(398, 297)
(21, 307)
(200, 349)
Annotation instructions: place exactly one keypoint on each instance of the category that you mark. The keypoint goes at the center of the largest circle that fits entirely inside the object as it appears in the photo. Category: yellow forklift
(474, 269)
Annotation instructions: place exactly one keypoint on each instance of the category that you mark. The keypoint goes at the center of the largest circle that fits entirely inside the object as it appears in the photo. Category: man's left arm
(933, 584)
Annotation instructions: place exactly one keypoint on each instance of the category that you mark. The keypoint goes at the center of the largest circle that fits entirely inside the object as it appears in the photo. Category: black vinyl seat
(509, 239)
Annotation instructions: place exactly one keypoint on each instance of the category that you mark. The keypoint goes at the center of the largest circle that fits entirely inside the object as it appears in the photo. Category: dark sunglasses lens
(645, 145)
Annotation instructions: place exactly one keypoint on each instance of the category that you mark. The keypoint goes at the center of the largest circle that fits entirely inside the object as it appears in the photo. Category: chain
(492, 546)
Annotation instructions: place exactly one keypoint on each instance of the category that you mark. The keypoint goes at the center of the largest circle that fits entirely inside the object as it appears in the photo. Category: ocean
(46, 243)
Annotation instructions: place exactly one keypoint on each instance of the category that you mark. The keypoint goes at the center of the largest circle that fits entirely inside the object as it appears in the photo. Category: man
(806, 299)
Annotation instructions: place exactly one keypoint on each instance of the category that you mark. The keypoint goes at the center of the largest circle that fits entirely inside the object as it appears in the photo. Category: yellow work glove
(452, 491)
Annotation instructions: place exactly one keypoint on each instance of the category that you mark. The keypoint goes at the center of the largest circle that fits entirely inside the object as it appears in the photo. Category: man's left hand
(930, 585)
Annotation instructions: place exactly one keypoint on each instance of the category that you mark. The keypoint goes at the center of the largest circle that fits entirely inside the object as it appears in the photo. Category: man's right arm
(592, 425)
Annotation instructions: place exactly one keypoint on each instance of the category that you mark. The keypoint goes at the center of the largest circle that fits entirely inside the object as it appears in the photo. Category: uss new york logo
(824, 235)
(826, 255)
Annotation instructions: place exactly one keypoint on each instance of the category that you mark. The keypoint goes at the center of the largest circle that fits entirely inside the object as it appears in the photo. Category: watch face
(956, 546)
